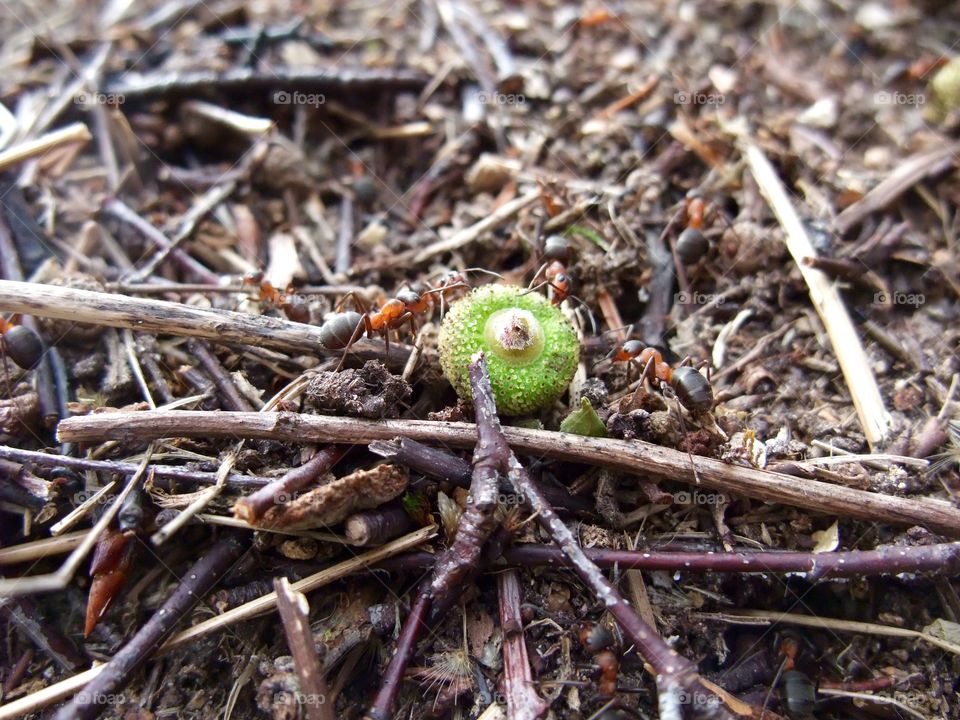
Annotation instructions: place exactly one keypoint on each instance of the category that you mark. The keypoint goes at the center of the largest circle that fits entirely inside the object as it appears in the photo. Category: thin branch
(169, 318)
(633, 456)
(523, 703)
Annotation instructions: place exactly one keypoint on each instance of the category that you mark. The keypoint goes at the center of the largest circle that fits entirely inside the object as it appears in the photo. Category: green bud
(532, 350)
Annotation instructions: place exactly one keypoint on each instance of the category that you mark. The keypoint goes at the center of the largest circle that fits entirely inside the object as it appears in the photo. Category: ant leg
(702, 365)
(536, 275)
(534, 289)
(362, 327)
(649, 373)
(357, 302)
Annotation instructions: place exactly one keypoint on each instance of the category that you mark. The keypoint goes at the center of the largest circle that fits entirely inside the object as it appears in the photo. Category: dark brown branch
(444, 465)
(196, 583)
(253, 507)
(461, 561)
(633, 456)
(522, 699)
(375, 527)
(938, 559)
(382, 705)
(229, 394)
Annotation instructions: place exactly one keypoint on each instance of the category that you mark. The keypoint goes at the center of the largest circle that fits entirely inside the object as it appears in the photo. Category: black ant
(691, 388)
(21, 344)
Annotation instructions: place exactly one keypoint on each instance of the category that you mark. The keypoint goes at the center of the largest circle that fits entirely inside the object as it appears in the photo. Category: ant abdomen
(693, 389)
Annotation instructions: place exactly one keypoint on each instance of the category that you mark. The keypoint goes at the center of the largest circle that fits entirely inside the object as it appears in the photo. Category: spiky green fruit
(532, 350)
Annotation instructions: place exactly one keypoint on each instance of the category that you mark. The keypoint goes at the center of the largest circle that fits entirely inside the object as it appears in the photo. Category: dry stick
(462, 559)
(35, 458)
(523, 703)
(907, 174)
(469, 234)
(674, 673)
(252, 507)
(128, 215)
(171, 318)
(413, 626)
(75, 133)
(344, 237)
(229, 394)
(375, 527)
(874, 418)
(295, 614)
(196, 583)
(633, 456)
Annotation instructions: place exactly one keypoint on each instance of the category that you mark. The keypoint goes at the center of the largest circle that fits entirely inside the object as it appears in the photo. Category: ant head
(409, 296)
(695, 194)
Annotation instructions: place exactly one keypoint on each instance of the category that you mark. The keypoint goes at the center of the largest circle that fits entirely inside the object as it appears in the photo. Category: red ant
(342, 329)
(557, 254)
(598, 641)
(21, 344)
(691, 388)
(269, 296)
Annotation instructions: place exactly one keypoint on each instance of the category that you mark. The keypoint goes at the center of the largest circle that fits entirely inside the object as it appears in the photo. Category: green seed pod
(531, 348)
(943, 92)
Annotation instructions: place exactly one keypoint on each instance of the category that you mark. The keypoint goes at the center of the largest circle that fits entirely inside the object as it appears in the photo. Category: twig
(674, 673)
(172, 84)
(230, 396)
(907, 174)
(75, 133)
(171, 318)
(163, 472)
(295, 614)
(345, 236)
(47, 636)
(467, 235)
(126, 214)
(196, 583)
(252, 507)
(633, 456)
(826, 299)
(381, 707)
(375, 527)
(766, 617)
(462, 559)
(523, 703)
